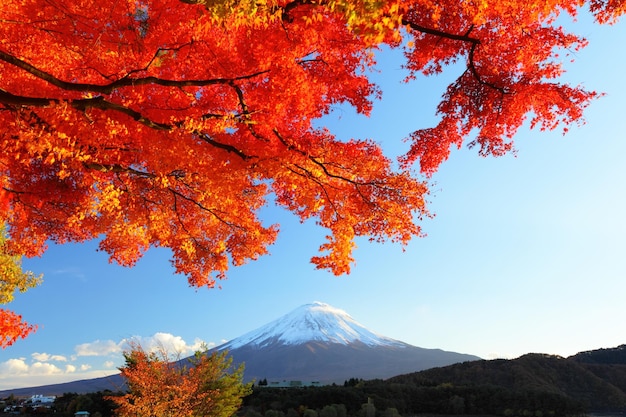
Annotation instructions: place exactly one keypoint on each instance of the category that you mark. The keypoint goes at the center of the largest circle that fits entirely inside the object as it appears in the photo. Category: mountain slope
(112, 383)
(318, 342)
(335, 363)
(607, 364)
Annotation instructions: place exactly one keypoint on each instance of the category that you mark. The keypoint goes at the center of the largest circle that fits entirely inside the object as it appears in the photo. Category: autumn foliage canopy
(171, 123)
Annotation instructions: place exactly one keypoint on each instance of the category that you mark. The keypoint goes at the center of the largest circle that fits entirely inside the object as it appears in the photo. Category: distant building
(81, 414)
(293, 384)
(41, 399)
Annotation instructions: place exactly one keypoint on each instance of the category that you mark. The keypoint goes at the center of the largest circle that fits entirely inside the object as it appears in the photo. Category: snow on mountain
(317, 322)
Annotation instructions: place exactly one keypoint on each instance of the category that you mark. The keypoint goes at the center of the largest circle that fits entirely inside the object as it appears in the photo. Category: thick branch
(245, 111)
(101, 103)
(463, 38)
(117, 168)
(122, 82)
(81, 104)
(474, 71)
(230, 148)
(435, 32)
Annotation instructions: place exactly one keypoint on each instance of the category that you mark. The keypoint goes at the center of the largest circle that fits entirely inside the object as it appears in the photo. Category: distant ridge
(107, 383)
(610, 356)
(599, 387)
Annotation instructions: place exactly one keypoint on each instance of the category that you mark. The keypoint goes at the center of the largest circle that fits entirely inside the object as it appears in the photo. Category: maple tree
(205, 385)
(171, 123)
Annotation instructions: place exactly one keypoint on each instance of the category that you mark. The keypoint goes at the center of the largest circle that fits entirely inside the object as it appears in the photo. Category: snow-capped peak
(317, 322)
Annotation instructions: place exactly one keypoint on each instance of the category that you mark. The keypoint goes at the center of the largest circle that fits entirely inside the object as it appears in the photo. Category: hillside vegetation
(596, 379)
(533, 385)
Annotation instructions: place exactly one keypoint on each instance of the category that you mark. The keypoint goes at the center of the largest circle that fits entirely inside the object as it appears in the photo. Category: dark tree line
(389, 399)
(95, 403)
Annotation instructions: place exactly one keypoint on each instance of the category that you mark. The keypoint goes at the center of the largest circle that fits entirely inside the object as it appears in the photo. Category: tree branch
(463, 38)
(101, 103)
(229, 148)
(322, 165)
(125, 81)
(193, 201)
(81, 104)
(477, 76)
(436, 32)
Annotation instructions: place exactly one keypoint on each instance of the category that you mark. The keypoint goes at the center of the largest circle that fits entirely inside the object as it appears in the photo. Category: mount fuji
(316, 322)
(318, 342)
(315, 342)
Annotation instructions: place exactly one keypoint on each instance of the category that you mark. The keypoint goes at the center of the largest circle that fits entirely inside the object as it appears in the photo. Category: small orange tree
(203, 386)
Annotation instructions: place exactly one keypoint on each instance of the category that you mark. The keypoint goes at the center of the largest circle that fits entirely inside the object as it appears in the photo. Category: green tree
(274, 413)
(340, 409)
(328, 411)
(82, 403)
(368, 409)
(457, 404)
(391, 412)
(251, 412)
(12, 279)
(309, 413)
(206, 385)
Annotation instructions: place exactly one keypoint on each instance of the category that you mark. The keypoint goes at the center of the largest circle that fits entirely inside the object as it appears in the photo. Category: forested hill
(597, 379)
(611, 356)
(531, 385)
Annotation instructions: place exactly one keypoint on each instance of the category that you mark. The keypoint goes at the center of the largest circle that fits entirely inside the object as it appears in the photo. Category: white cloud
(13, 367)
(45, 357)
(166, 342)
(42, 357)
(41, 368)
(85, 367)
(198, 344)
(499, 355)
(70, 369)
(109, 364)
(19, 367)
(97, 348)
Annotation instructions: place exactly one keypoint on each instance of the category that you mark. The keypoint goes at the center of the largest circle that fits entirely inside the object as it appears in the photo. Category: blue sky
(525, 253)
